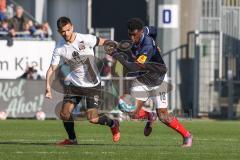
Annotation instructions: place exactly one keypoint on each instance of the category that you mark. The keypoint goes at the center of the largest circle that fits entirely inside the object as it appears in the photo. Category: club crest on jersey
(77, 58)
(142, 59)
(81, 46)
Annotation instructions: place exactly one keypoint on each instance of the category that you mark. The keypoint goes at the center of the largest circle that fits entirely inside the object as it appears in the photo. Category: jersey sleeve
(91, 40)
(55, 57)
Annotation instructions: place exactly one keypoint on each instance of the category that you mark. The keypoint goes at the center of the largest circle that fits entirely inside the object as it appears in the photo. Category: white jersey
(79, 55)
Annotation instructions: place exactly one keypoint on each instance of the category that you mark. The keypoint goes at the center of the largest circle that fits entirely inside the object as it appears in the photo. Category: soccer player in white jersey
(76, 50)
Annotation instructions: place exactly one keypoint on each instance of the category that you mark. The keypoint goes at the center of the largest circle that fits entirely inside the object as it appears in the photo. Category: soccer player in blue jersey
(145, 61)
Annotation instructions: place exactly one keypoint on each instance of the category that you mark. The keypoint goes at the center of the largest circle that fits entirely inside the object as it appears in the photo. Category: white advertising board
(15, 59)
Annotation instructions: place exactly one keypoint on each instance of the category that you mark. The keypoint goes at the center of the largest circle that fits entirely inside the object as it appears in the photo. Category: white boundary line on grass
(48, 140)
(39, 152)
(215, 139)
(55, 152)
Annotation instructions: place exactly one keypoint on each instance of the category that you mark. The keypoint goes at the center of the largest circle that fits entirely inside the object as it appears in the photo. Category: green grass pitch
(31, 139)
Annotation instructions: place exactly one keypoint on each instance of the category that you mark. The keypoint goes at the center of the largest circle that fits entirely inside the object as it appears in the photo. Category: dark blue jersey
(146, 51)
(143, 61)
(147, 55)
(150, 31)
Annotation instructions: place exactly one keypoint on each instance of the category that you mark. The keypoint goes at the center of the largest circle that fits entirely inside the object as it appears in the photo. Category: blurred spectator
(19, 19)
(5, 29)
(26, 31)
(2, 16)
(44, 31)
(10, 11)
(31, 73)
(47, 31)
(3, 10)
(3, 4)
(4, 26)
(32, 27)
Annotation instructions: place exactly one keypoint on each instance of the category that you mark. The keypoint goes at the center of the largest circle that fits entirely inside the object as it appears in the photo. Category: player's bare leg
(172, 122)
(68, 123)
(93, 117)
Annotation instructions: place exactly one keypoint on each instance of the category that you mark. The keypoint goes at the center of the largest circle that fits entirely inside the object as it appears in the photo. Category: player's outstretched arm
(51, 70)
(102, 41)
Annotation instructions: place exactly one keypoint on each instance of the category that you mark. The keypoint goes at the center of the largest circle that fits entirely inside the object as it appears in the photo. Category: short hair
(135, 23)
(19, 7)
(63, 21)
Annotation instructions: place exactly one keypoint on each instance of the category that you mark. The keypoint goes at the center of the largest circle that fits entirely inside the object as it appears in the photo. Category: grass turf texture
(31, 139)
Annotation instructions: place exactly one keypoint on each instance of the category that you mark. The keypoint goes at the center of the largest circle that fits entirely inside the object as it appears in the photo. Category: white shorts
(156, 94)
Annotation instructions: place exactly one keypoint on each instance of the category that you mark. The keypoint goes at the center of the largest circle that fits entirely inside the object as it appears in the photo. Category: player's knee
(93, 120)
(92, 116)
(164, 116)
(65, 116)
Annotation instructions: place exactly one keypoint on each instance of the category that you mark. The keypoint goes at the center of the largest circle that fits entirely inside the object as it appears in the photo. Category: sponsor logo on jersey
(142, 59)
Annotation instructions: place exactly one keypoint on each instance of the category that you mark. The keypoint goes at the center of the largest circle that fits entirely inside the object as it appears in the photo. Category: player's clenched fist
(110, 46)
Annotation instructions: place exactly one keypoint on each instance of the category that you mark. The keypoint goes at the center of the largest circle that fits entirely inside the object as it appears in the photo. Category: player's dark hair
(63, 21)
(135, 23)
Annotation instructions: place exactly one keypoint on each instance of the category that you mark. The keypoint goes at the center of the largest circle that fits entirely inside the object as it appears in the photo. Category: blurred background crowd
(16, 23)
